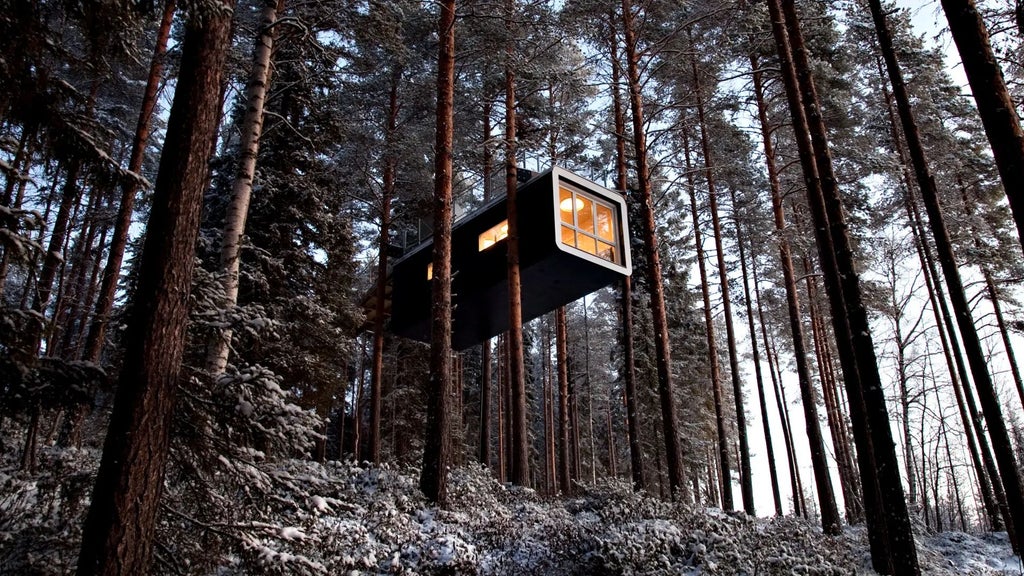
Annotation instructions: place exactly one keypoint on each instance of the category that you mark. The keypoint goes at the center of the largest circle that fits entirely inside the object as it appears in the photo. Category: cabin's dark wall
(551, 277)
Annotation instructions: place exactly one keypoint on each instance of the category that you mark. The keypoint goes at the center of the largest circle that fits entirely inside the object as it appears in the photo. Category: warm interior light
(567, 204)
(492, 236)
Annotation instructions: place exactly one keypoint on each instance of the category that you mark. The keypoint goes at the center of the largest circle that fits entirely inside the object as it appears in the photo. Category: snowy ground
(952, 553)
(339, 518)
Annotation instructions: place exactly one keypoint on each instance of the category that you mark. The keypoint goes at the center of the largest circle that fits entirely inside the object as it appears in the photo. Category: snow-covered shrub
(41, 514)
(221, 487)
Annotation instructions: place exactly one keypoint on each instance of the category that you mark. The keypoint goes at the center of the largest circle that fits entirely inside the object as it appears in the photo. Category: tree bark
(851, 497)
(725, 470)
(663, 354)
(746, 482)
(241, 187)
(1004, 333)
(437, 444)
(485, 372)
(755, 351)
(826, 498)
(485, 404)
(993, 295)
(628, 357)
(561, 357)
(388, 177)
(118, 532)
(889, 530)
(780, 404)
(550, 445)
(517, 371)
(947, 332)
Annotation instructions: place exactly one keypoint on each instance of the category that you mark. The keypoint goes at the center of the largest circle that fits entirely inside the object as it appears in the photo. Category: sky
(929, 20)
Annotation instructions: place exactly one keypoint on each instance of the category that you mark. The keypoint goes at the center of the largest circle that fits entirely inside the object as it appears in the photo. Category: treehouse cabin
(574, 239)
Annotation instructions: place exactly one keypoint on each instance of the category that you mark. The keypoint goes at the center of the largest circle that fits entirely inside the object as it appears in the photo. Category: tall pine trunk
(437, 443)
(388, 177)
(725, 470)
(561, 357)
(241, 187)
(663, 354)
(826, 498)
(947, 332)
(636, 461)
(118, 533)
(780, 404)
(485, 355)
(520, 470)
(746, 482)
(755, 351)
(892, 544)
(108, 283)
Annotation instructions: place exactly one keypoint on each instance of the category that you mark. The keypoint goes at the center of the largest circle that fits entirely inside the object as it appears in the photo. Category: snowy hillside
(339, 518)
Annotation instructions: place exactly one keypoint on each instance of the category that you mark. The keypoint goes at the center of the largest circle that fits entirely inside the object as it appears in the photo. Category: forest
(810, 370)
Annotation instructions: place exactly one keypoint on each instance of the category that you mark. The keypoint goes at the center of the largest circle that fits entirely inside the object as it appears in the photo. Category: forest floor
(301, 517)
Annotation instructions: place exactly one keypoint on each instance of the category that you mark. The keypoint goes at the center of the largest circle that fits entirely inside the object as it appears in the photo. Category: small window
(430, 271)
(493, 236)
(589, 224)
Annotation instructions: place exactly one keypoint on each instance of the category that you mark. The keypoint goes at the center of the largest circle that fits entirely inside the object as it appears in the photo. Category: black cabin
(573, 241)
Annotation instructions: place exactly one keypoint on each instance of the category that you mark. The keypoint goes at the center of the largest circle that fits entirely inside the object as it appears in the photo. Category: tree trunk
(947, 334)
(996, 108)
(517, 371)
(993, 295)
(794, 472)
(636, 461)
(758, 376)
(1004, 333)
(357, 408)
(746, 482)
(502, 408)
(22, 164)
(388, 177)
(590, 392)
(241, 187)
(725, 471)
(72, 287)
(437, 444)
(835, 420)
(561, 357)
(826, 498)
(485, 403)
(485, 372)
(1009, 473)
(108, 284)
(550, 446)
(892, 544)
(118, 532)
(663, 355)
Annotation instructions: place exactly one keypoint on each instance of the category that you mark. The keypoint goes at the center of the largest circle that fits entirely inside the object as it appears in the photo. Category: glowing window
(493, 236)
(430, 271)
(589, 224)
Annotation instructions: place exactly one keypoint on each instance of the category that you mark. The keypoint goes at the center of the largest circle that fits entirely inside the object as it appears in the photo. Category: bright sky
(929, 20)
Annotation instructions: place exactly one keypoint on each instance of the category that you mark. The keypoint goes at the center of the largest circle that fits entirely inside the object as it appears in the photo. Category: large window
(589, 224)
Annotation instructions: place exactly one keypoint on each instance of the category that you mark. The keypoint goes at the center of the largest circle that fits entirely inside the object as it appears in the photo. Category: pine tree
(437, 451)
(118, 532)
